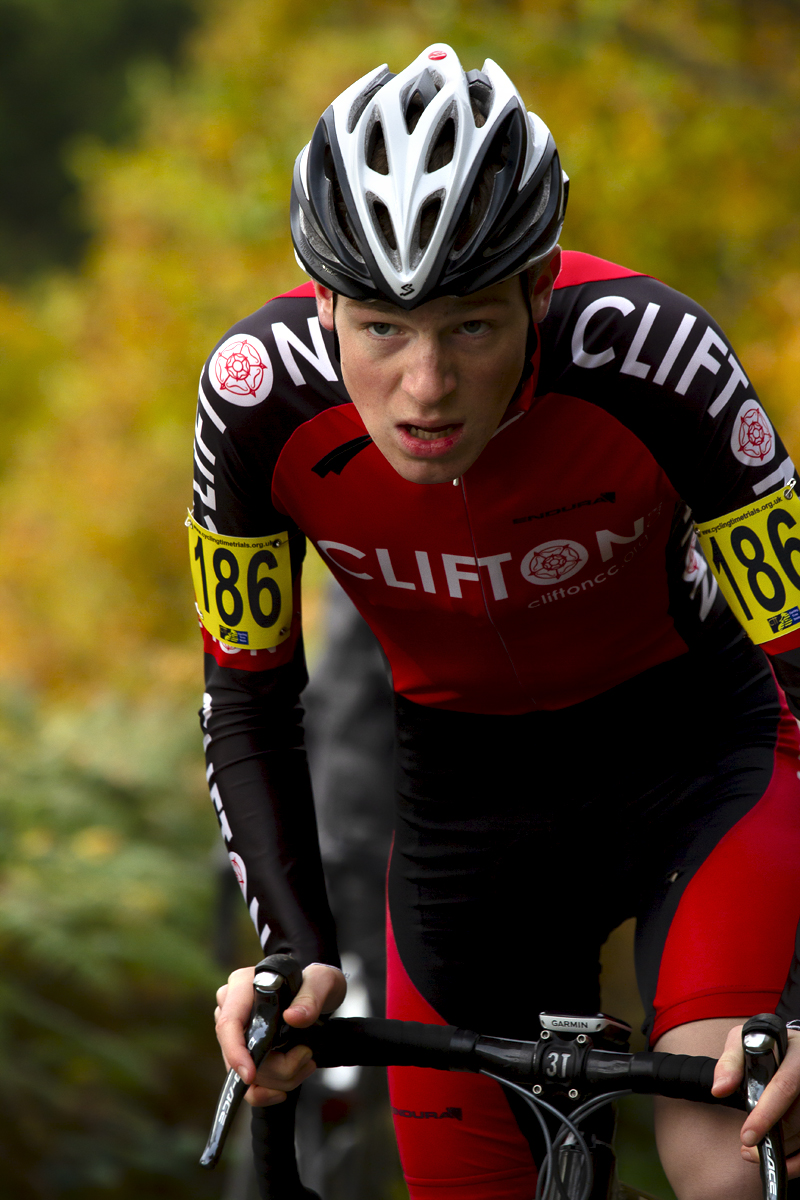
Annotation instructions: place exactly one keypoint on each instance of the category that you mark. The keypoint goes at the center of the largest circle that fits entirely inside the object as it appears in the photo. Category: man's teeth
(430, 435)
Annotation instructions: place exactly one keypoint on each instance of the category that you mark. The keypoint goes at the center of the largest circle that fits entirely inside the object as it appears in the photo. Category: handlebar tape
(373, 1041)
(272, 1131)
(682, 1076)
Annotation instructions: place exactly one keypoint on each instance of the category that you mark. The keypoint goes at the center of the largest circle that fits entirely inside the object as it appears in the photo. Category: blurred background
(146, 148)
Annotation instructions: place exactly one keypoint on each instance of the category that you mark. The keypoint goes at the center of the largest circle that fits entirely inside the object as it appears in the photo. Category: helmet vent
(441, 152)
(525, 221)
(383, 224)
(419, 95)
(481, 195)
(429, 215)
(377, 157)
(338, 202)
(481, 96)
(414, 110)
(360, 103)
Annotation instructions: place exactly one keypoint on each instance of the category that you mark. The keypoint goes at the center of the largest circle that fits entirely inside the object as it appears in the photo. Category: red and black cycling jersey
(562, 564)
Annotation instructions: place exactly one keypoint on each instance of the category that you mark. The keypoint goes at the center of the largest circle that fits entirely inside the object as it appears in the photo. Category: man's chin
(425, 471)
(426, 474)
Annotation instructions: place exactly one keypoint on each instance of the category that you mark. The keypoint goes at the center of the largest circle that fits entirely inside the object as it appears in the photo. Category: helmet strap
(336, 350)
(532, 341)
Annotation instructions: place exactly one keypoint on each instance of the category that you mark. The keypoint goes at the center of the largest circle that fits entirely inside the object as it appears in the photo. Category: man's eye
(382, 329)
(474, 327)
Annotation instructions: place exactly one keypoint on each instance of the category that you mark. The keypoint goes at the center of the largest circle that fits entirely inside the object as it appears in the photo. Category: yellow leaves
(141, 900)
(36, 842)
(92, 844)
(677, 124)
(96, 842)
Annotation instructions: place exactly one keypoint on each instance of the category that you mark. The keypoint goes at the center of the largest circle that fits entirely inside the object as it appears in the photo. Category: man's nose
(428, 377)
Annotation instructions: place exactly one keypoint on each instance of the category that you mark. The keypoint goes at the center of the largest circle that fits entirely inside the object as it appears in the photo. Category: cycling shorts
(522, 841)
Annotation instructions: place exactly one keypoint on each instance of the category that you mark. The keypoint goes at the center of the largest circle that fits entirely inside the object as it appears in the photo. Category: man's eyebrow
(384, 306)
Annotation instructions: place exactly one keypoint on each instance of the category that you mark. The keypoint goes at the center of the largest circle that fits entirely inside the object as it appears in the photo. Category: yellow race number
(755, 555)
(243, 586)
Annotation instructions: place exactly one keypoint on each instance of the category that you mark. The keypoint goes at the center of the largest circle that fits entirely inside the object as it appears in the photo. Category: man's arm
(260, 786)
(270, 373)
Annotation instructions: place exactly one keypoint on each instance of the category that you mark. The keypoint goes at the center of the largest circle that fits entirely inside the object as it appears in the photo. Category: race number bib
(755, 555)
(243, 586)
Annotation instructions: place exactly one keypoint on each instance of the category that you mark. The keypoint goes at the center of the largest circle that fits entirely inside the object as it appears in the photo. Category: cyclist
(502, 452)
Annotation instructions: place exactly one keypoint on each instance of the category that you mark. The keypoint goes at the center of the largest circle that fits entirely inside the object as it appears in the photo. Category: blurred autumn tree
(63, 73)
(679, 125)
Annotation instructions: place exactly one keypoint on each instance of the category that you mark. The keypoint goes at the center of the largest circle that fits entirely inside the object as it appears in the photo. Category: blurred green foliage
(105, 920)
(679, 125)
(63, 73)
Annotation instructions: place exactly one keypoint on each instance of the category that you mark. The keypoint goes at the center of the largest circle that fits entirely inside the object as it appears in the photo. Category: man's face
(431, 385)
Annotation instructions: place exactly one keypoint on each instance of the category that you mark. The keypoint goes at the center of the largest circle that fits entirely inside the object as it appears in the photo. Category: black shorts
(522, 841)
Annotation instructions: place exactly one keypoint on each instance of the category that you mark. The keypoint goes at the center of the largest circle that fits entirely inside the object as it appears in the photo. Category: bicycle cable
(549, 1166)
(580, 1114)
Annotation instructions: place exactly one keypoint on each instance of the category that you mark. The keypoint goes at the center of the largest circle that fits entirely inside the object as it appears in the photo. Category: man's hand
(781, 1098)
(323, 990)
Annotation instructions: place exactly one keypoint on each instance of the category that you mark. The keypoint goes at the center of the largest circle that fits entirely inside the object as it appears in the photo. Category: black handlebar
(561, 1067)
(372, 1041)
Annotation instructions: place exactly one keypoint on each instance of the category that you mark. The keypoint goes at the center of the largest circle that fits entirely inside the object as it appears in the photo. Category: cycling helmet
(429, 183)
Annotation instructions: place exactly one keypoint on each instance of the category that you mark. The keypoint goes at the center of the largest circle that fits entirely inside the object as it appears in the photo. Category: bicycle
(561, 1076)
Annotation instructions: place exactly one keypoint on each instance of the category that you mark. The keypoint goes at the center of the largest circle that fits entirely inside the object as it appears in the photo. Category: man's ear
(324, 306)
(542, 289)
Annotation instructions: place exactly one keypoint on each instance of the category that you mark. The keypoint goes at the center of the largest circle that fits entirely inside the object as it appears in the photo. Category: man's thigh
(699, 1144)
(716, 936)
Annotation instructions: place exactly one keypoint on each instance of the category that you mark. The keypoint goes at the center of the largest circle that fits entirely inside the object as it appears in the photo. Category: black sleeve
(270, 373)
(260, 786)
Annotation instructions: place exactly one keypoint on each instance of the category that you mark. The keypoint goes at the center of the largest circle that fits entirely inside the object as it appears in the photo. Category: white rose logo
(240, 371)
(752, 437)
(240, 871)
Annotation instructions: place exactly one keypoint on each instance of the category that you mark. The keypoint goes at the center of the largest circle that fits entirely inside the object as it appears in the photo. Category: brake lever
(765, 1042)
(275, 984)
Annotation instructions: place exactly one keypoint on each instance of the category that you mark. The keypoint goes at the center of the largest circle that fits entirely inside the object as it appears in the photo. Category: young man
(502, 453)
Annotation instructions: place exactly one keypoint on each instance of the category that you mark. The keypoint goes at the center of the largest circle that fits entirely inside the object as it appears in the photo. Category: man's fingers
(284, 1072)
(261, 1097)
(231, 1019)
(730, 1068)
(322, 991)
(779, 1095)
(231, 1041)
(792, 1164)
(779, 1101)
(279, 1074)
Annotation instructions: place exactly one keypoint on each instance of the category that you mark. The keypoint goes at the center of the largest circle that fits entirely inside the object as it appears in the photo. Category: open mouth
(431, 435)
(421, 443)
(430, 443)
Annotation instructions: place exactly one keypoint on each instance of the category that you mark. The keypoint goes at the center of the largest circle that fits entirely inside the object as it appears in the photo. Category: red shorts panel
(456, 1133)
(731, 941)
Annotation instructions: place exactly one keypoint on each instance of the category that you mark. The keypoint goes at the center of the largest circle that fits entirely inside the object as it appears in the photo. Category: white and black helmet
(429, 183)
